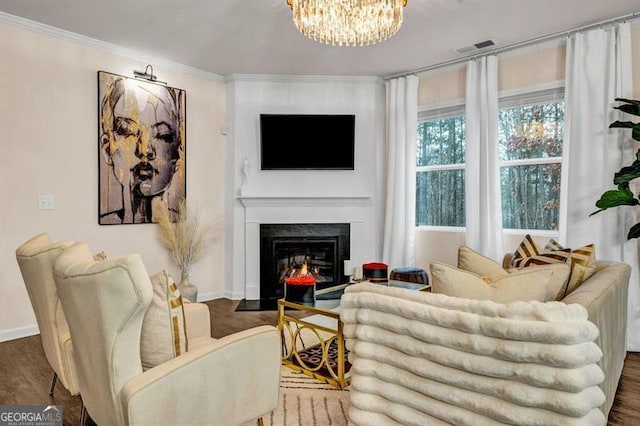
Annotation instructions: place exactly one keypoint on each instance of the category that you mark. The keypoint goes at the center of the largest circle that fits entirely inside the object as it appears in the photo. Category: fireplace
(290, 249)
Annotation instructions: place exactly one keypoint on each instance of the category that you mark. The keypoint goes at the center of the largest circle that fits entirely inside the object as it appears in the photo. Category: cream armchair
(35, 258)
(228, 381)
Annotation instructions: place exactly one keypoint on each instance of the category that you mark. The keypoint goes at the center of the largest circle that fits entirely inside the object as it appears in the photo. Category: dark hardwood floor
(25, 375)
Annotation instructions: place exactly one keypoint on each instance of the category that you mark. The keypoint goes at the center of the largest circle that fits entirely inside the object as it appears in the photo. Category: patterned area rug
(308, 402)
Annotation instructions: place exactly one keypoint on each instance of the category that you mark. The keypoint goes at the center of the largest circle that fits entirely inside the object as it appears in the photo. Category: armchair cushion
(518, 286)
(164, 334)
(198, 321)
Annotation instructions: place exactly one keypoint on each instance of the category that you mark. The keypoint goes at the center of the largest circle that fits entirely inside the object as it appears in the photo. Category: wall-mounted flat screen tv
(307, 142)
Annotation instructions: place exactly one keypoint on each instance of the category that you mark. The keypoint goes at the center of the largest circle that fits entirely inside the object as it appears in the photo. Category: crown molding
(316, 201)
(48, 30)
(286, 78)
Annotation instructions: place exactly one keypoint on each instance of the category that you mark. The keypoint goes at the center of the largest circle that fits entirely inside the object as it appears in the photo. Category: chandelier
(348, 22)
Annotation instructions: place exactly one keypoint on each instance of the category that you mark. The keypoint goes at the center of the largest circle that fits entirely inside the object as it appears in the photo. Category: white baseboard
(212, 295)
(233, 295)
(17, 333)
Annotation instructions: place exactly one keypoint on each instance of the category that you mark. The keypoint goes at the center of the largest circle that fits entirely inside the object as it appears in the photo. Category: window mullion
(440, 167)
(530, 161)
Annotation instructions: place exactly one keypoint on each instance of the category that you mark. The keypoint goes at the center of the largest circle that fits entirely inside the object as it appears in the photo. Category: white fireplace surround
(354, 210)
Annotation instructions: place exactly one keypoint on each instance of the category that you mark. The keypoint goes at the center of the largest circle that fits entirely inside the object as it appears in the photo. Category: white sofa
(421, 358)
(604, 295)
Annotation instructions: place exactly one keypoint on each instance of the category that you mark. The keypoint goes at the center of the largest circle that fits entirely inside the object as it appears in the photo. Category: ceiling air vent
(475, 47)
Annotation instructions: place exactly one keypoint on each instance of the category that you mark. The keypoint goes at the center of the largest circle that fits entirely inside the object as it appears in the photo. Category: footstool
(410, 274)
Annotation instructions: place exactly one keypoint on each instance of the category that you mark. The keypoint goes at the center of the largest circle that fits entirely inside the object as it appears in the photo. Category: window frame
(437, 112)
(525, 98)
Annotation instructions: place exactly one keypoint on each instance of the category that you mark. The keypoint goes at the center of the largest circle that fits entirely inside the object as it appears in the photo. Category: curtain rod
(513, 46)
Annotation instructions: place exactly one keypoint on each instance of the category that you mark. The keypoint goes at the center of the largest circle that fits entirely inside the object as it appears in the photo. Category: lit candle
(357, 273)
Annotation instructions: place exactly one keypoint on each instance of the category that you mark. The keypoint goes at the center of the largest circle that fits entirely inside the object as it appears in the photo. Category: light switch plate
(46, 202)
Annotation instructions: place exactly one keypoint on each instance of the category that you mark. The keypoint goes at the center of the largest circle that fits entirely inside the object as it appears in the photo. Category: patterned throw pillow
(583, 263)
(469, 260)
(527, 254)
(163, 329)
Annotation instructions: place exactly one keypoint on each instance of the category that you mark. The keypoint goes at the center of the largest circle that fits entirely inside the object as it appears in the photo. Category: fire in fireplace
(306, 258)
(289, 250)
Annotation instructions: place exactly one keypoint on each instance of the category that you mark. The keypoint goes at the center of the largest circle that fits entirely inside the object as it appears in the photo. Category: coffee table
(314, 345)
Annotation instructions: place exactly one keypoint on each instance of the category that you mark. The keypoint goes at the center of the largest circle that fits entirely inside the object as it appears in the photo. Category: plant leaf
(622, 124)
(615, 198)
(627, 174)
(634, 231)
(635, 133)
(629, 108)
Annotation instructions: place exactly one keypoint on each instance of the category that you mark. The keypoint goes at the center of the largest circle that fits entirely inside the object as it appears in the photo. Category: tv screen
(305, 142)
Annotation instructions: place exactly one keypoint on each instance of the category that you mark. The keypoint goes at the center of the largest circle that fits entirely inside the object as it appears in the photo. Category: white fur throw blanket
(429, 359)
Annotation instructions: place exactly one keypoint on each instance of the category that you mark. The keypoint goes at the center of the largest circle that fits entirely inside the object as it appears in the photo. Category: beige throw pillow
(522, 285)
(163, 329)
(472, 261)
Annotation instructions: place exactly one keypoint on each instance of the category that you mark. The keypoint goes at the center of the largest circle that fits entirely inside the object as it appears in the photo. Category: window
(530, 130)
(440, 169)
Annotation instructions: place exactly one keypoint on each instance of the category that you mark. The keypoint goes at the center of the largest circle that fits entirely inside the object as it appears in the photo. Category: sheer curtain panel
(398, 245)
(598, 69)
(482, 172)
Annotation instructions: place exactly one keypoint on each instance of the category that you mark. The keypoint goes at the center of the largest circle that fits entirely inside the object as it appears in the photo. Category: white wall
(249, 96)
(442, 245)
(49, 145)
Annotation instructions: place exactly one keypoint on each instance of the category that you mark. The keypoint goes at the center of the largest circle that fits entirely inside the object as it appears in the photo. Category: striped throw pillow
(583, 263)
(528, 254)
(163, 334)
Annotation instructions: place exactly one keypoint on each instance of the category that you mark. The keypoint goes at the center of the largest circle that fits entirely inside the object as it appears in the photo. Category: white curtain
(482, 172)
(598, 69)
(398, 245)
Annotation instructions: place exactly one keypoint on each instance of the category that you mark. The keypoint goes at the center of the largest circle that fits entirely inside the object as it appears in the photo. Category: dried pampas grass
(184, 235)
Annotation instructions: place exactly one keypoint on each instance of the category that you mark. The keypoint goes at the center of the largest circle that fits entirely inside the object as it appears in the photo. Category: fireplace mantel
(268, 209)
(291, 201)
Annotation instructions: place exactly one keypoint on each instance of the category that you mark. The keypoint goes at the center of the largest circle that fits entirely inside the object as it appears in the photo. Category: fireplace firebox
(288, 250)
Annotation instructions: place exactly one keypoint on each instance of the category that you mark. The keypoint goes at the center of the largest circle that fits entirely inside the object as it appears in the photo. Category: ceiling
(259, 37)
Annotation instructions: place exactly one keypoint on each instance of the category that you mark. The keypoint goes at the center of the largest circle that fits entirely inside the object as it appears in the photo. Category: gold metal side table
(314, 345)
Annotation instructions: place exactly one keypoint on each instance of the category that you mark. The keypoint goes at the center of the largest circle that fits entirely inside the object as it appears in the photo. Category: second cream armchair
(35, 258)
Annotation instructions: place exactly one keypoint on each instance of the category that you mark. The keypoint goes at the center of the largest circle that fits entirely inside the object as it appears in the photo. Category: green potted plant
(623, 195)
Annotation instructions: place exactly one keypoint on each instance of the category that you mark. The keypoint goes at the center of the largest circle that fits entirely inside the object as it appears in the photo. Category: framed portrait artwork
(142, 147)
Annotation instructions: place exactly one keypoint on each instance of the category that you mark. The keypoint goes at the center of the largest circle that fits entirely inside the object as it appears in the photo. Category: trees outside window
(440, 172)
(530, 138)
(530, 130)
